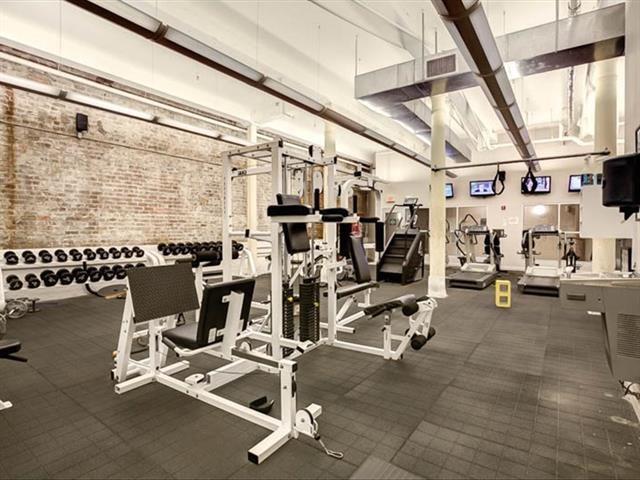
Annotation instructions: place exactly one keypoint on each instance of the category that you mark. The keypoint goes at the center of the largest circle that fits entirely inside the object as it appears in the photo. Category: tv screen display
(448, 190)
(575, 183)
(544, 184)
(481, 188)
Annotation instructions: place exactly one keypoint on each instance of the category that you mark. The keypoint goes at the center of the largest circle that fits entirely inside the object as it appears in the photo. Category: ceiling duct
(468, 25)
(135, 20)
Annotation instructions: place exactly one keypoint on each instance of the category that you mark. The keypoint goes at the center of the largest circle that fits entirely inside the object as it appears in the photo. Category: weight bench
(156, 296)
(8, 350)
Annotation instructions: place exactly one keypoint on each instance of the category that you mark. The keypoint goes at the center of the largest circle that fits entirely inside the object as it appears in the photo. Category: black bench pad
(353, 289)
(408, 303)
(184, 336)
(9, 347)
(288, 210)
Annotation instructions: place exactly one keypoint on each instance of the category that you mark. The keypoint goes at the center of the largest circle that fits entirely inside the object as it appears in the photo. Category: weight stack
(310, 309)
(288, 323)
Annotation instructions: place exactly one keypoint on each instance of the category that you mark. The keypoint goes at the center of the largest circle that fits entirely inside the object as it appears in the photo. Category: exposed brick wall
(128, 181)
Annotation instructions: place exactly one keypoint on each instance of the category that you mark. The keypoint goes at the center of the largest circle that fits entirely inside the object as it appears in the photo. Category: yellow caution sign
(503, 293)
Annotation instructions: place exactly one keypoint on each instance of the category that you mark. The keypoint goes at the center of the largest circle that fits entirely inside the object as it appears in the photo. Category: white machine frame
(131, 374)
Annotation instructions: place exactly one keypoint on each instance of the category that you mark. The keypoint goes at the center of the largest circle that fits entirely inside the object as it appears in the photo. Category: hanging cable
(501, 176)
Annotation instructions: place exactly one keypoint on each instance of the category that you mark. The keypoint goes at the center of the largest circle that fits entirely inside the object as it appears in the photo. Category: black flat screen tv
(448, 190)
(575, 183)
(544, 184)
(481, 188)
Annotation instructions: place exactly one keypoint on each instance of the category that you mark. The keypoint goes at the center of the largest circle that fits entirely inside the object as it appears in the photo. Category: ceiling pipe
(467, 23)
(131, 18)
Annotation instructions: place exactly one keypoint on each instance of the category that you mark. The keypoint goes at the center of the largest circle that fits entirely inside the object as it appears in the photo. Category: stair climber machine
(403, 257)
(474, 274)
(612, 297)
(541, 279)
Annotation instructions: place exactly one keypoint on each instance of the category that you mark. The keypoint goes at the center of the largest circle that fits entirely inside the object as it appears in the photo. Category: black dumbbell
(28, 257)
(45, 256)
(138, 252)
(11, 258)
(115, 253)
(107, 273)
(64, 276)
(61, 255)
(126, 252)
(140, 265)
(128, 266)
(75, 255)
(48, 278)
(94, 274)
(162, 246)
(102, 253)
(14, 282)
(80, 275)
(89, 254)
(32, 280)
(119, 271)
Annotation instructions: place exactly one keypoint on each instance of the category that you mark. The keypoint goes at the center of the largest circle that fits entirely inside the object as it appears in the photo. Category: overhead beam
(585, 38)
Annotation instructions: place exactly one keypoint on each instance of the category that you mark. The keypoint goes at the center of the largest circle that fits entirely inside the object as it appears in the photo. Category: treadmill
(473, 274)
(540, 279)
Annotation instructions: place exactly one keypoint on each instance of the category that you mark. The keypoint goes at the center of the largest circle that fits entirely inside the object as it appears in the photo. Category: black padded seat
(408, 303)
(184, 336)
(343, 212)
(9, 347)
(369, 219)
(288, 210)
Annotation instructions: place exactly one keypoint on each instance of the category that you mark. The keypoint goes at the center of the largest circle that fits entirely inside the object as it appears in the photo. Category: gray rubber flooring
(517, 393)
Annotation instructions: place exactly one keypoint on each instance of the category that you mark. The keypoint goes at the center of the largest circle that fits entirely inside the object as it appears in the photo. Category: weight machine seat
(288, 210)
(296, 237)
(353, 289)
(184, 336)
(213, 316)
(342, 212)
(408, 303)
(369, 219)
(9, 347)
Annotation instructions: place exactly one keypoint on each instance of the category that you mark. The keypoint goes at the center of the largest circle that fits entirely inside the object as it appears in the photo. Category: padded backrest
(162, 291)
(296, 237)
(359, 260)
(213, 313)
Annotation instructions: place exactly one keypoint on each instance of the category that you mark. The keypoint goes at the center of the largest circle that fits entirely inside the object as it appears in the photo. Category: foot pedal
(262, 405)
(194, 379)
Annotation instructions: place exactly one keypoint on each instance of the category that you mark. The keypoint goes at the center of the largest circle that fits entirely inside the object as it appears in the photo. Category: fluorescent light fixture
(206, 132)
(485, 36)
(210, 53)
(404, 150)
(105, 105)
(293, 94)
(129, 12)
(25, 84)
(377, 137)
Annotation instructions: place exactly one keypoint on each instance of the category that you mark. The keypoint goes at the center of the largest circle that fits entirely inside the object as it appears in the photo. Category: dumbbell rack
(58, 291)
(244, 262)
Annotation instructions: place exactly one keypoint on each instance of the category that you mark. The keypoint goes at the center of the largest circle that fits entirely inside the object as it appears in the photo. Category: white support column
(606, 128)
(632, 94)
(252, 193)
(277, 260)
(437, 212)
(329, 151)
(227, 216)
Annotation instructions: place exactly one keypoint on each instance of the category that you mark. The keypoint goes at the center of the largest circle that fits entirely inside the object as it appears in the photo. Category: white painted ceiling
(304, 45)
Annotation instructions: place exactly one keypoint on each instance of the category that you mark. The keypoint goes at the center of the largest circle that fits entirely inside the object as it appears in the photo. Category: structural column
(329, 151)
(632, 94)
(437, 211)
(606, 130)
(252, 193)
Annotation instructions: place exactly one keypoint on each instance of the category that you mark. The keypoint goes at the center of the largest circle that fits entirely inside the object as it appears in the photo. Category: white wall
(504, 211)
